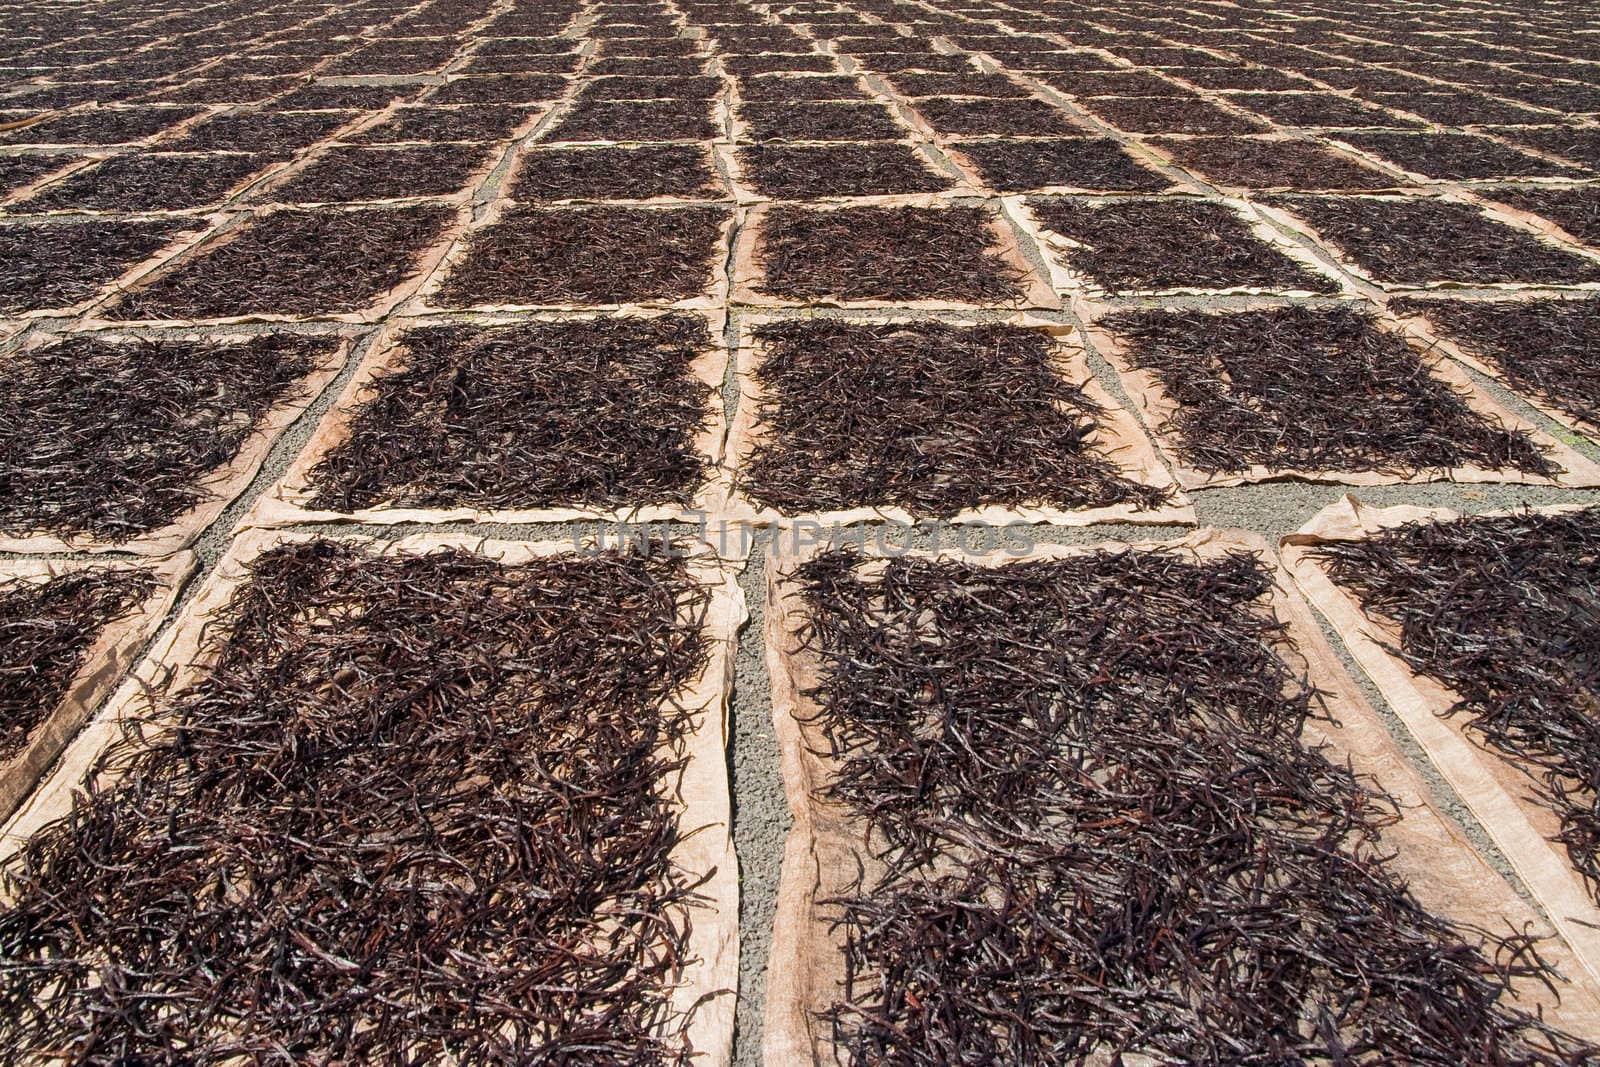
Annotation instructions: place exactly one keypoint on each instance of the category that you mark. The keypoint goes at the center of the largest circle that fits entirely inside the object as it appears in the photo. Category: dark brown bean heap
(222, 90)
(1455, 155)
(491, 122)
(19, 171)
(1263, 79)
(595, 413)
(811, 120)
(926, 416)
(885, 253)
(273, 134)
(616, 173)
(1575, 210)
(46, 631)
(1503, 611)
(520, 64)
(1579, 143)
(147, 183)
(1093, 83)
(1317, 109)
(780, 88)
(965, 84)
(429, 793)
(1468, 109)
(1420, 240)
(346, 174)
(112, 440)
(1012, 118)
(1097, 833)
(1264, 164)
(319, 96)
(645, 66)
(1300, 388)
(636, 120)
(101, 126)
(806, 172)
(59, 264)
(297, 263)
(1544, 348)
(1074, 162)
(588, 256)
(1169, 114)
(1133, 245)
(501, 89)
(889, 62)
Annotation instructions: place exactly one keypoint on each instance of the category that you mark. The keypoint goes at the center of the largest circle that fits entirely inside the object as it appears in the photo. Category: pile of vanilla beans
(1095, 832)
(928, 416)
(418, 809)
(46, 630)
(594, 412)
(1506, 612)
(112, 440)
(1311, 389)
